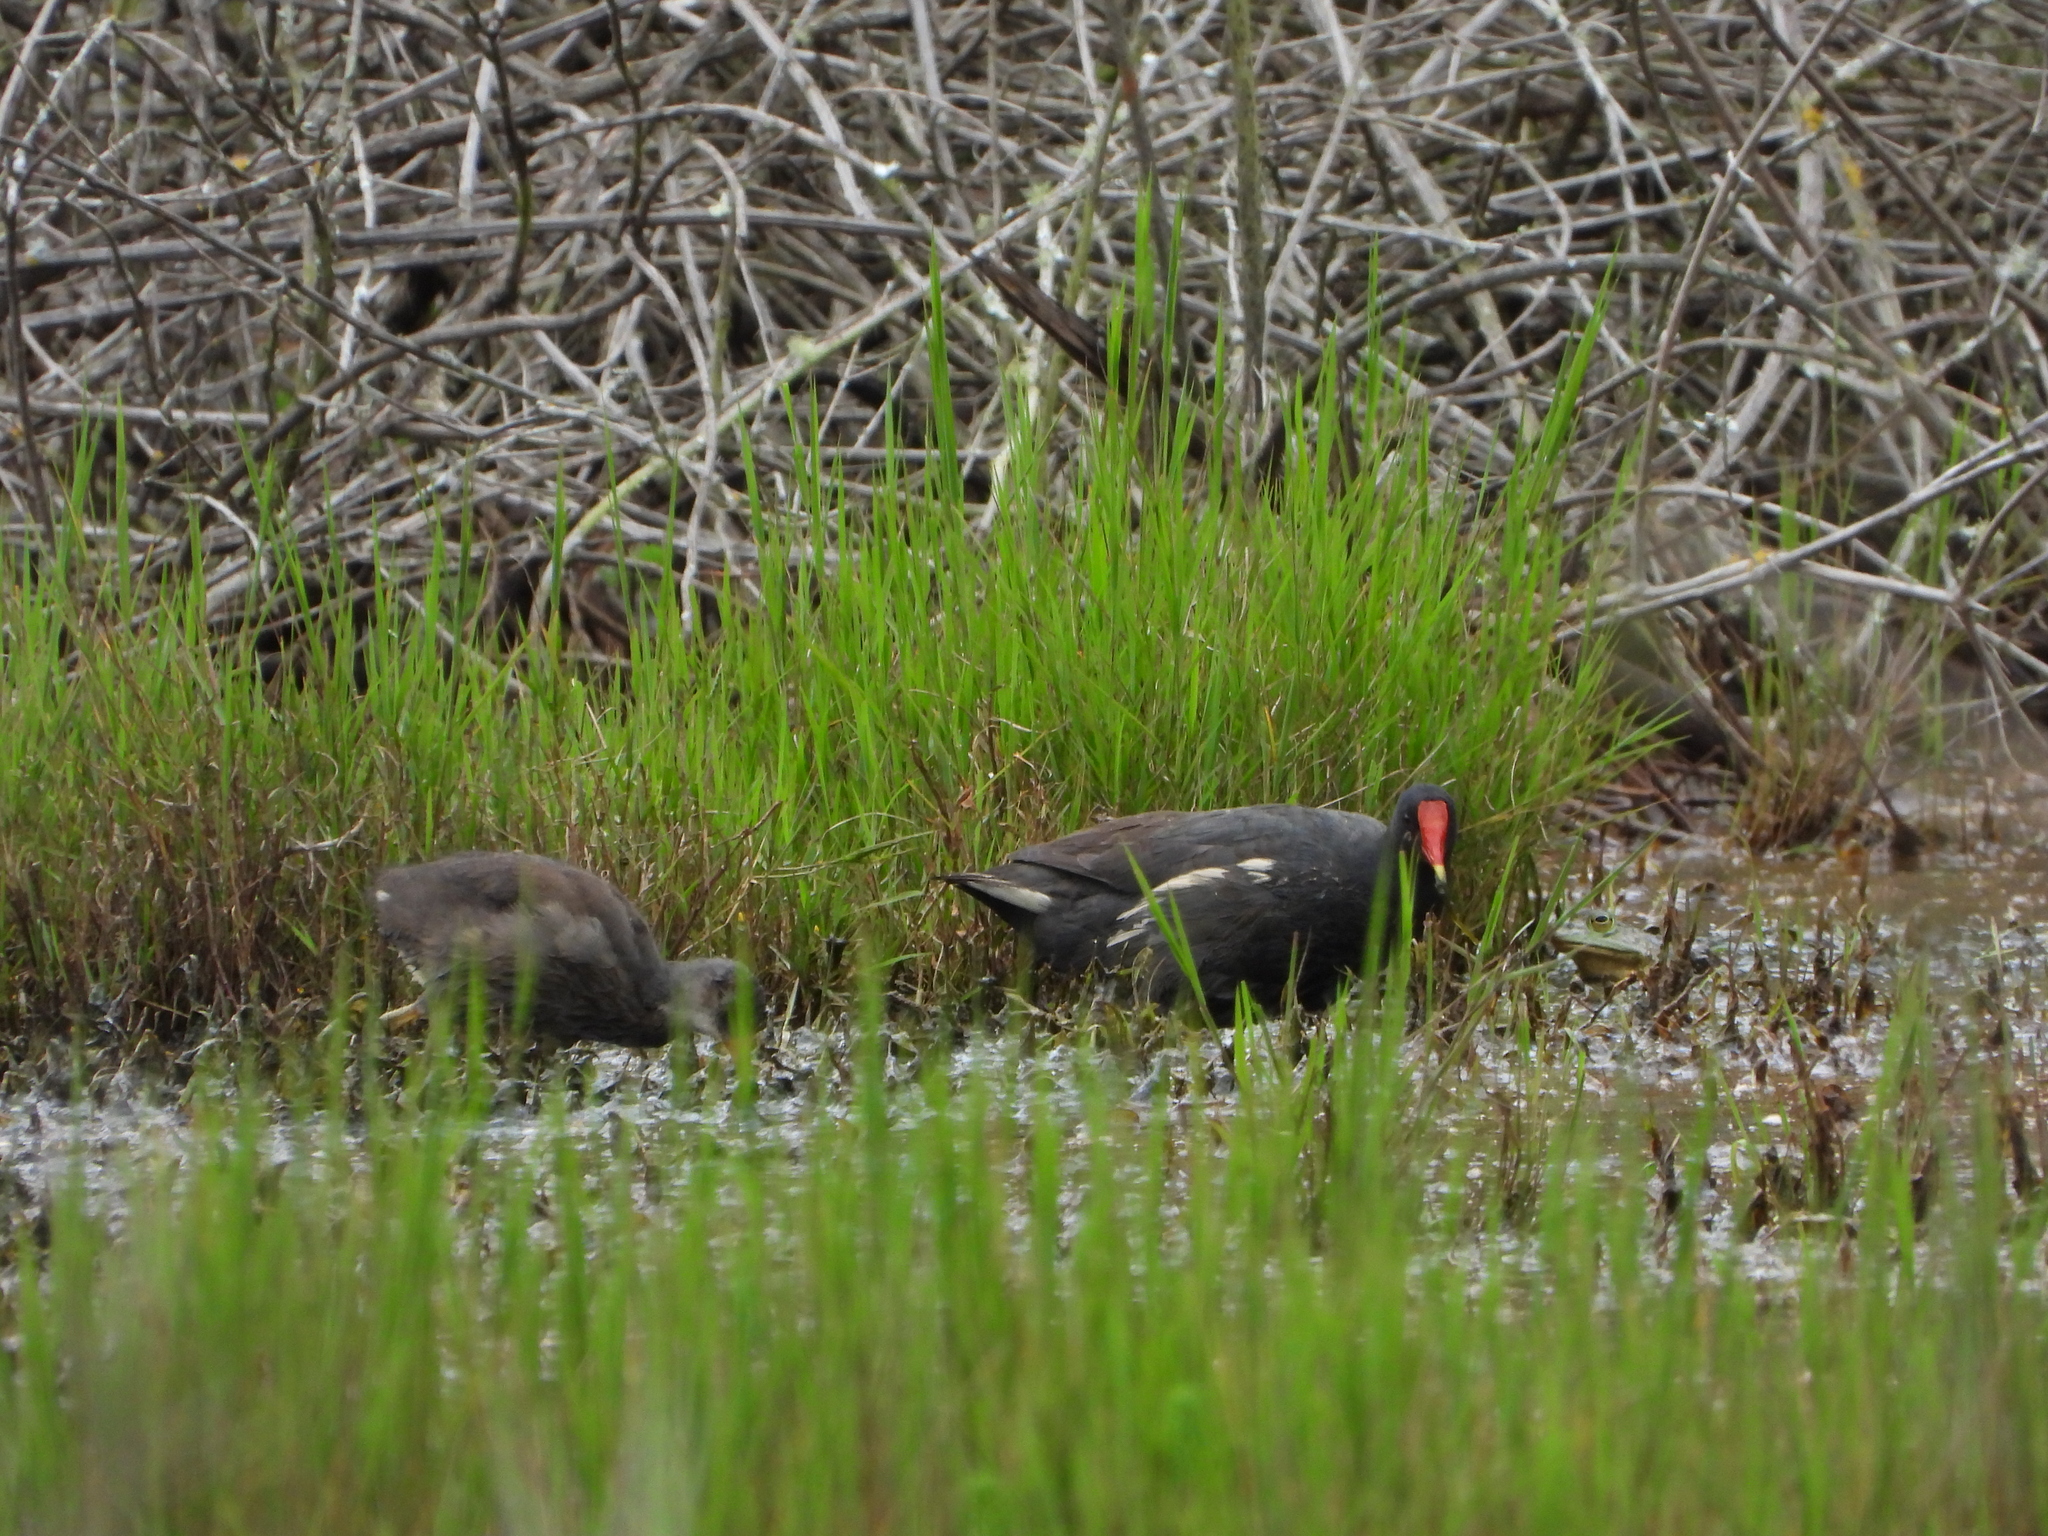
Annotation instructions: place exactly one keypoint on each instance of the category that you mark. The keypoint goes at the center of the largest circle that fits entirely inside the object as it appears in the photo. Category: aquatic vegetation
(1002, 1296)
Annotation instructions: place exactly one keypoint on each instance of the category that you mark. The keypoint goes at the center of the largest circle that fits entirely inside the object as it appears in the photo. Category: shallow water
(1825, 935)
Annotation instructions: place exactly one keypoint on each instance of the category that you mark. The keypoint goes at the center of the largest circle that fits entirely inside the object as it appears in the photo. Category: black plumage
(583, 952)
(1264, 893)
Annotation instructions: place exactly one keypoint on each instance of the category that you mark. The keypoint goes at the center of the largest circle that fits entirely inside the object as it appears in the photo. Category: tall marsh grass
(183, 836)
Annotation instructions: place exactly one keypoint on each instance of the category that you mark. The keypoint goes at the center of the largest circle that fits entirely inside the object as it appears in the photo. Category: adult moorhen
(596, 973)
(1265, 894)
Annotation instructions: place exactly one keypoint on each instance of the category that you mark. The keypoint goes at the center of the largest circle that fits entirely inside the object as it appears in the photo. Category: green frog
(1603, 949)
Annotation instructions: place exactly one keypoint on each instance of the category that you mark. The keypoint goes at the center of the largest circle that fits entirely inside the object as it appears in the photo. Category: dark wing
(1066, 894)
(1169, 843)
(1101, 855)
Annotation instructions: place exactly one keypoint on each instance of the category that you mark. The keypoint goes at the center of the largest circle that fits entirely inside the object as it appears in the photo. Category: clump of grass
(188, 815)
(977, 1307)
(1830, 691)
(1812, 735)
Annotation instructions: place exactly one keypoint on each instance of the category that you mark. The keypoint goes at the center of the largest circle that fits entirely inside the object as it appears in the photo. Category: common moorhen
(1265, 894)
(596, 972)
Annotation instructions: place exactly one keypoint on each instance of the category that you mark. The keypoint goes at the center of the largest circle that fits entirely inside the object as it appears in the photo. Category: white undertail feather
(1021, 897)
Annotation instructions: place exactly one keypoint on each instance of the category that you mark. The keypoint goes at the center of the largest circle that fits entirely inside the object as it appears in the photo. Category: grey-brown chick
(595, 970)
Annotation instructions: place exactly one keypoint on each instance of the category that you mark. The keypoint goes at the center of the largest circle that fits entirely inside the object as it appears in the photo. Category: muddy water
(1982, 873)
(1797, 958)
(1800, 960)
(1970, 905)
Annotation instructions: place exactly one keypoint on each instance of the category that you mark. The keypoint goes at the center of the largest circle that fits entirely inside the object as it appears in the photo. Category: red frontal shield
(1433, 818)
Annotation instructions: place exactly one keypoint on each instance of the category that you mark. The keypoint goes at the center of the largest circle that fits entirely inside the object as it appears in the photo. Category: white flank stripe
(1192, 880)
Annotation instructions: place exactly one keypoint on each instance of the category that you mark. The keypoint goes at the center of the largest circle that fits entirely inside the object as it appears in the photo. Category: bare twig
(679, 209)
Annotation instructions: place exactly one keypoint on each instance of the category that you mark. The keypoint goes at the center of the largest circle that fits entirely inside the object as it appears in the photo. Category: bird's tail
(1013, 902)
